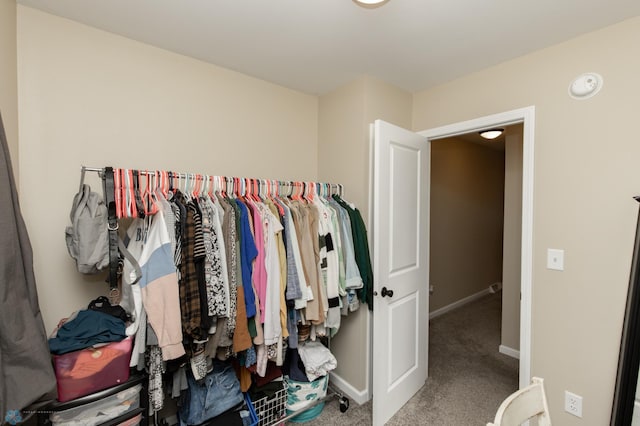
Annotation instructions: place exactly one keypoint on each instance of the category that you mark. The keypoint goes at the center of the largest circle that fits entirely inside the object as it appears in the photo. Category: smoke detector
(585, 86)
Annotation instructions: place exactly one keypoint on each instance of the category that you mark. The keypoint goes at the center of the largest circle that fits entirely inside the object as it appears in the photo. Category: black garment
(229, 418)
(26, 374)
(294, 367)
(101, 304)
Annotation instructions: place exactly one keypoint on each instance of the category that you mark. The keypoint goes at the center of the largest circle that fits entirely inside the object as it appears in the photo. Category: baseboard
(513, 353)
(355, 395)
(457, 304)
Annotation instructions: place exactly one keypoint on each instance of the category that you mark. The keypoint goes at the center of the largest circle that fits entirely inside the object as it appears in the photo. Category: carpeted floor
(468, 377)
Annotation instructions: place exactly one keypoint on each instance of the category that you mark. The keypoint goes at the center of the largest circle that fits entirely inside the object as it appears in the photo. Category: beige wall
(94, 98)
(512, 240)
(9, 77)
(343, 157)
(466, 211)
(585, 175)
(89, 97)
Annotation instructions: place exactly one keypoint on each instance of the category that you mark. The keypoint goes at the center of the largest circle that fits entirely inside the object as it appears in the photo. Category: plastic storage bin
(135, 421)
(100, 411)
(301, 395)
(269, 409)
(252, 410)
(90, 370)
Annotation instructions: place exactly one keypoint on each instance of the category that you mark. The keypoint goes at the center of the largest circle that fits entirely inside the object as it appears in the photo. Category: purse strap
(112, 226)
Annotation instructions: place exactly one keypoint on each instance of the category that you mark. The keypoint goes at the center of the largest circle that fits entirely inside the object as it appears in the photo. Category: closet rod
(339, 187)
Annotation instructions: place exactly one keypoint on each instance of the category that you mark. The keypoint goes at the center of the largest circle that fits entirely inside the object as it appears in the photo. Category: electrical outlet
(573, 404)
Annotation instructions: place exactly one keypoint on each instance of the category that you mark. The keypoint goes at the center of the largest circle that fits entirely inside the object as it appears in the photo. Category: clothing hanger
(204, 190)
(162, 183)
(236, 187)
(311, 191)
(170, 180)
(257, 191)
(261, 188)
(223, 186)
(137, 194)
(228, 187)
(251, 188)
(149, 196)
(123, 192)
(215, 186)
(131, 197)
(211, 184)
(118, 192)
(307, 193)
(246, 189)
(273, 195)
(290, 189)
(296, 191)
(186, 180)
(202, 182)
(196, 184)
(157, 185)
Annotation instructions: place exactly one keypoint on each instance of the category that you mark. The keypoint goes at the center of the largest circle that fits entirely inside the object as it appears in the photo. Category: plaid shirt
(188, 283)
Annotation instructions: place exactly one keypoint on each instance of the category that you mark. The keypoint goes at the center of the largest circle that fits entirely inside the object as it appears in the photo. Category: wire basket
(271, 409)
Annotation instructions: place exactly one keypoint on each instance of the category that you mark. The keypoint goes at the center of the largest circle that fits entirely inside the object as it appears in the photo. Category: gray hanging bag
(87, 236)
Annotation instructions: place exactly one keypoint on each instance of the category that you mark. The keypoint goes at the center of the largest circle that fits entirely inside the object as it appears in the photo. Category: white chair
(523, 405)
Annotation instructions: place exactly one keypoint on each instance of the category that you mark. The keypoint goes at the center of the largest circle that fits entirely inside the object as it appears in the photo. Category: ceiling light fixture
(491, 133)
(370, 3)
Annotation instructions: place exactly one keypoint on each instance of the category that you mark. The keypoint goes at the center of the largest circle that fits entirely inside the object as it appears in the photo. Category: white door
(401, 267)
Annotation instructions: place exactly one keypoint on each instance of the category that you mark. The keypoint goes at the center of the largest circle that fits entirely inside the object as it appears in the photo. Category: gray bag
(87, 237)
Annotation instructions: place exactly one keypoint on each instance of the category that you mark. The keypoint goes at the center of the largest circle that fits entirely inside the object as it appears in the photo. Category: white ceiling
(317, 45)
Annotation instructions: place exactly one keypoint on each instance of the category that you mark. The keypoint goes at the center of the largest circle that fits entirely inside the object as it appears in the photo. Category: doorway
(526, 116)
(475, 237)
(400, 164)
(475, 215)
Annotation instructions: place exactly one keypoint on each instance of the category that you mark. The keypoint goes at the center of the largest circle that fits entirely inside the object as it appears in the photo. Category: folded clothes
(88, 328)
(318, 360)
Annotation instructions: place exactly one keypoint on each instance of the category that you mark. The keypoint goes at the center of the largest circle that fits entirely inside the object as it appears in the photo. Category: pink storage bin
(89, 370)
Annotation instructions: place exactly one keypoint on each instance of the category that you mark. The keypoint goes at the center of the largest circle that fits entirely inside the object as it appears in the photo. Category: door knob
(385, 292)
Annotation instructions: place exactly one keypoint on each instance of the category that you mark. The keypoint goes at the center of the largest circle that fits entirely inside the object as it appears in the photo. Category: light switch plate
(555, 259)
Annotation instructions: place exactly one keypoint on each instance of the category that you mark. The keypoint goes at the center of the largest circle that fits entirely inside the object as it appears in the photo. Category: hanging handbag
(86, 237)
(101, 304)
(92, 238)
